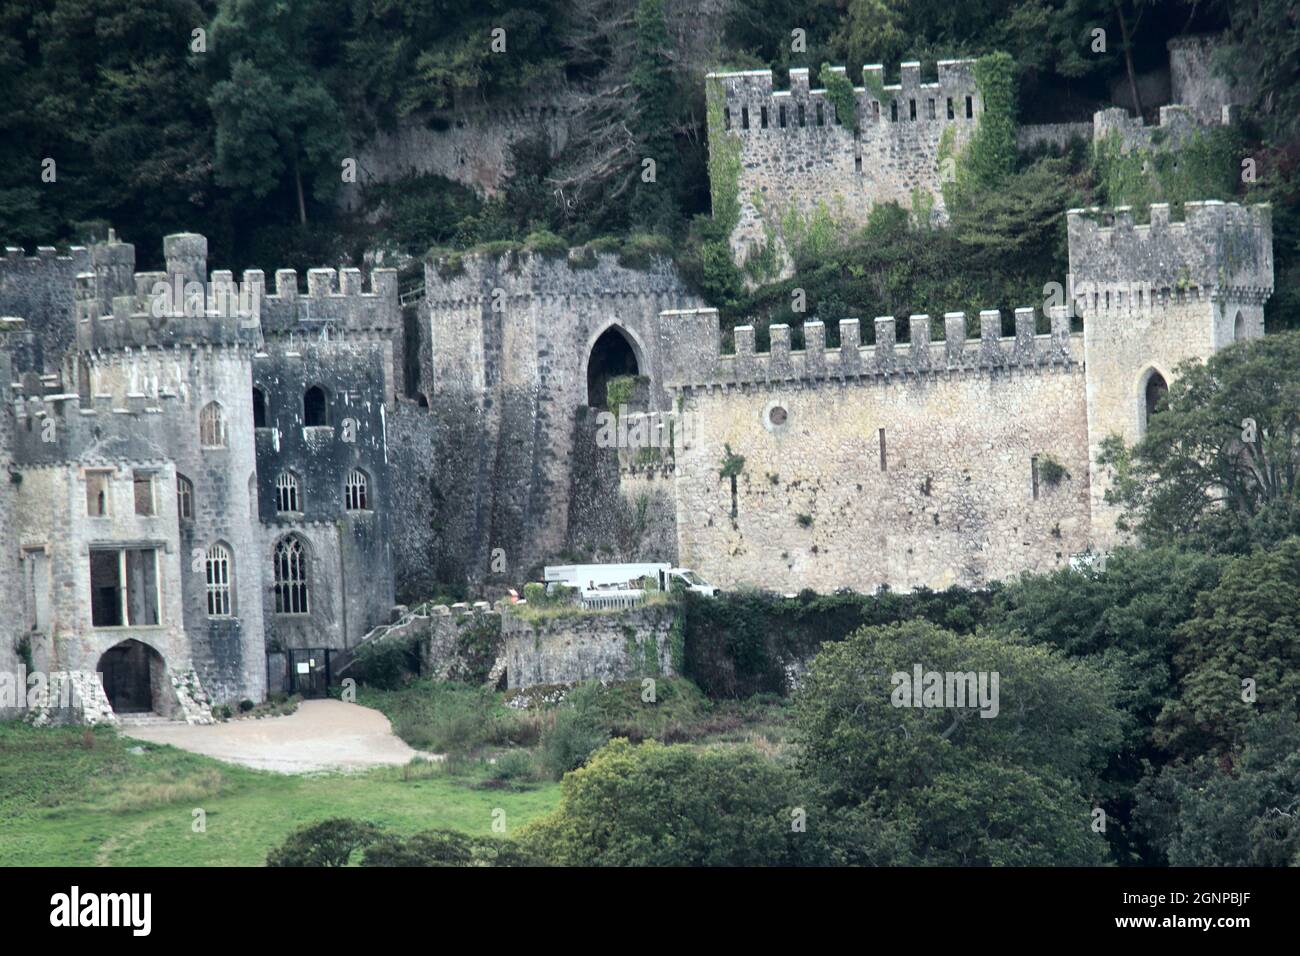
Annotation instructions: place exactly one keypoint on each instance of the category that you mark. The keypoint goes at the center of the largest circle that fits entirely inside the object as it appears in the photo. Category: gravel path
(320, 735)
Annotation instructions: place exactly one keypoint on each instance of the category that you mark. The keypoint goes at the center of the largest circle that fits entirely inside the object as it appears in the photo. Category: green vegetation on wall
(990, 156)
(1204, 165)
(839, 90)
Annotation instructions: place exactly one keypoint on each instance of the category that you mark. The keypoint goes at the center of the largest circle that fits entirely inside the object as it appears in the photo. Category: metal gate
(304, 671)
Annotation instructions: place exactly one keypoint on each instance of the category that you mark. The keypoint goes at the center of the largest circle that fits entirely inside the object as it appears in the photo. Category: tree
(1247, 629)
(273, 109)
(1220, 463)
(328, 843)
(1009, 787)
(656, 805)
(1201, 814)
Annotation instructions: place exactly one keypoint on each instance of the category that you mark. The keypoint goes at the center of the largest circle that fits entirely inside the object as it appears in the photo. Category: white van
(626, 577)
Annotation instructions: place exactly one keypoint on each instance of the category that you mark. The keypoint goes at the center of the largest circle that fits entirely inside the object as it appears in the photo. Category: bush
(328, 843)
(386, 663)
(444, 848)
(656, 805)
(577, 733)
(449, 717)
(516, 768)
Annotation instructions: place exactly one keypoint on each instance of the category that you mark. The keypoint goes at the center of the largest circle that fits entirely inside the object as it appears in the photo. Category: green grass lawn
(71, 796)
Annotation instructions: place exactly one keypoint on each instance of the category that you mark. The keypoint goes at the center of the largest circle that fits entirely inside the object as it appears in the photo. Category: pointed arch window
(290, 573)
(184, 498)
(356, 493)
(219, 578)
(259, 408)
(212, 426)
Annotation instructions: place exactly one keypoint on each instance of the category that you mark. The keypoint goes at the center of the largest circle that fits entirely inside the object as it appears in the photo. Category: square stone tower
(1153, 296)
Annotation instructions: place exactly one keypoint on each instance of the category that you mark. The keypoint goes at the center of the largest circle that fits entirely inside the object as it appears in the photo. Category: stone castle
(209, 482)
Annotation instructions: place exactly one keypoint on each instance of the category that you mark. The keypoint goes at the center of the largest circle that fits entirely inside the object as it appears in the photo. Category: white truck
(601, 583)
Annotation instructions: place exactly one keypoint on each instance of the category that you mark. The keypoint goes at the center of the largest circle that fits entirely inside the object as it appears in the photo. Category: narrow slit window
(951, 114)
(857, 163)
(884, 464)
(780, 116)
(930, 112)
(875, 111)
(762, 117)
(893, 111)
(726, 117)
(1033, 474)
(911, 109)
(744, 117)
(97, 493)
(970, 108)
(803, 120)
(821, 115)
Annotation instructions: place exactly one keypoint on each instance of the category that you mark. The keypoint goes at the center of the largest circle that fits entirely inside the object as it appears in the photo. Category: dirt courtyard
(320, 735)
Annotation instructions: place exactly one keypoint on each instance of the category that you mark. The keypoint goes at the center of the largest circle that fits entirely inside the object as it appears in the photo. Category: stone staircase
(144, 720)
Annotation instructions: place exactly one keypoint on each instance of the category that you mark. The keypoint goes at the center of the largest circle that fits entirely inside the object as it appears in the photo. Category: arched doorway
(612, 356)
(133, 676)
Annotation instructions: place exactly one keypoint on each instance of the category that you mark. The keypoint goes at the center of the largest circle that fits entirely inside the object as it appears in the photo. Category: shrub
(328, 843)
(385, 663)
(444, 848)
(656, 805)
(578, 732)
(516, 768)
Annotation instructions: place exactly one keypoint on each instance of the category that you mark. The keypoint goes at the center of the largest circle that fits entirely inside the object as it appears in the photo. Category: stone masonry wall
(592, 645)
(511, 339)
(795, 155)
(917, 469)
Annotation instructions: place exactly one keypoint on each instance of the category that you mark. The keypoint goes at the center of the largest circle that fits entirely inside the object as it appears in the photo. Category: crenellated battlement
(695, 358)
(184, 304)
(55, 429)
(1218, 250)
(751, 105)
(1177, 124)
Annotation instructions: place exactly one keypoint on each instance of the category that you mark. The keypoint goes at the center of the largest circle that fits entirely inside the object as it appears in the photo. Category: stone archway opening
(134, 675)
(612, 356)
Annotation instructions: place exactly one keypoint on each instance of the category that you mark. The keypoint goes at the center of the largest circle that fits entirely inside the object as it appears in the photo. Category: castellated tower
(1152, 296)
(787, 152)
(522, 346)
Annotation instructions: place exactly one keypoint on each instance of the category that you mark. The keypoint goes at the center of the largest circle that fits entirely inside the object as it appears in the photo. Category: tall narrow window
(970, 108)
(287, 497)
(212, 426)
(184, 498)
(780, 116)
(259, 408)
(762, 117)
(36, 588)
(290, 577)
(1033, 474)
(883, 464)
(911, 108)
(315, 407)
(218, 568)
(1153, 394)
(142, 484)
(97, 493)
(951, 114)
(356, 493)
(744, 117)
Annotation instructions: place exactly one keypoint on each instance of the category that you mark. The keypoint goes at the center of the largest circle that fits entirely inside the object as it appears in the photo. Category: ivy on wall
(990, 157)
(724, 163)
(839, 90)
(1201, 166)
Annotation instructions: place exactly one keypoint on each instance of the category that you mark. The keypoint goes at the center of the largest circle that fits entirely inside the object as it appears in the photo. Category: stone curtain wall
(469, 146)
(1194, 82)
(592, 645)
(954, 503)
(815, 161)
